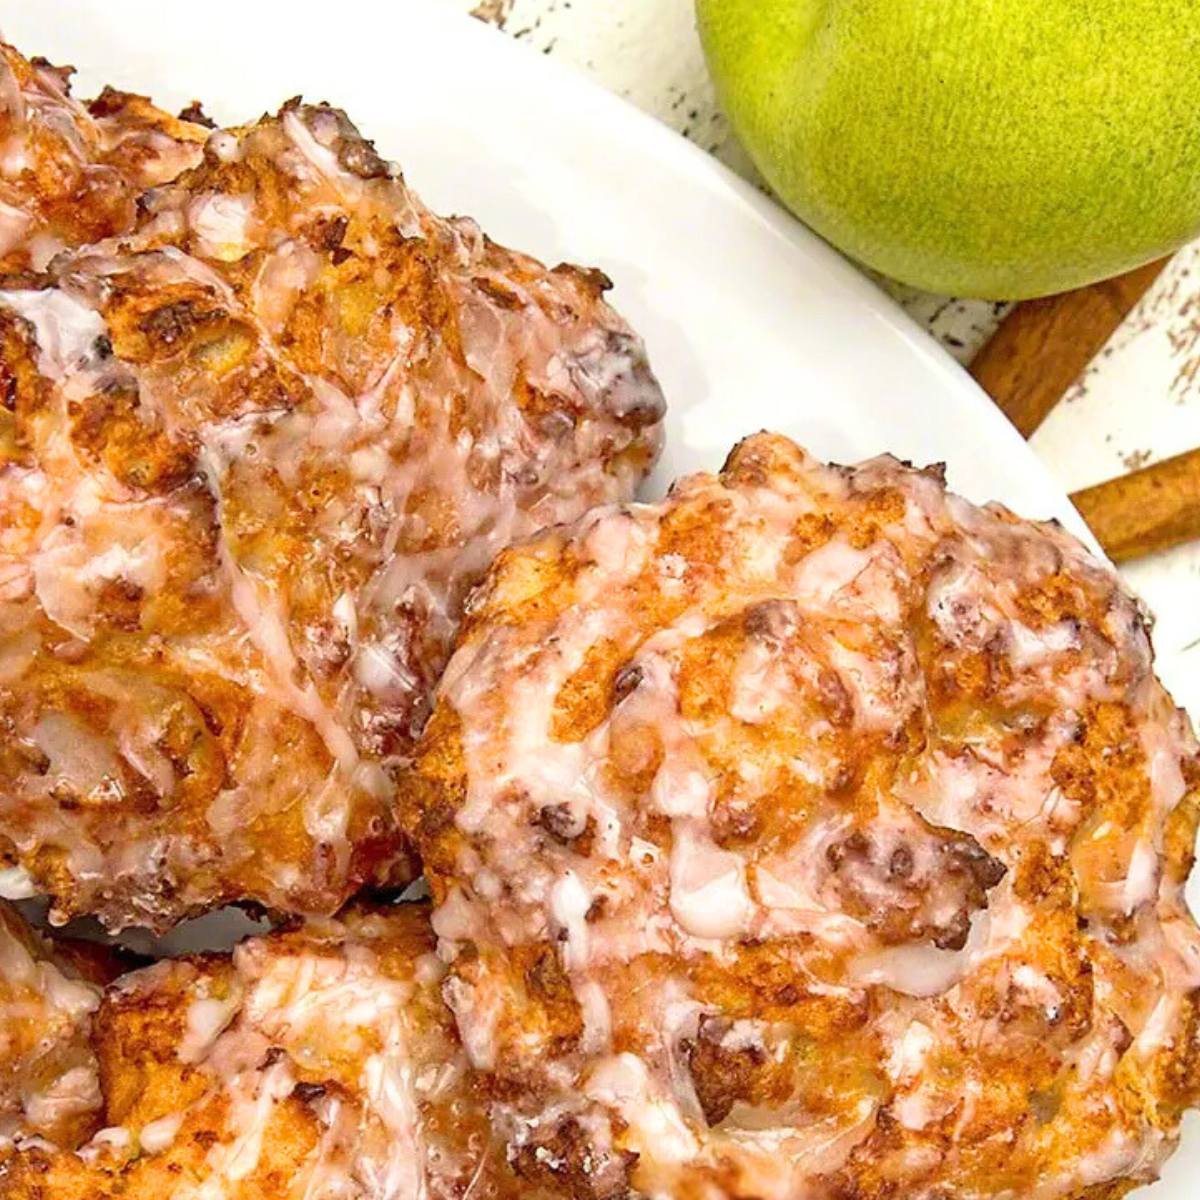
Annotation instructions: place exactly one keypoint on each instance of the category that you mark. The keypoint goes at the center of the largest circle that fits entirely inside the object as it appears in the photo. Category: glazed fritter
(71, 173)
(315, 1064)
(49, 1087)
(261, 450)
(816, 833)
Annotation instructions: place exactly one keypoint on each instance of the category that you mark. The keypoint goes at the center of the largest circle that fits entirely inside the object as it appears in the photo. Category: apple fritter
(261, 450)
(70, 172)
(815, 832)
(314, 1064)
(49, 1086)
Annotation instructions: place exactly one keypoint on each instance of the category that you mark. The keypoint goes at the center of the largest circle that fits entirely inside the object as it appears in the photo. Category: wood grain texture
(1042, 346)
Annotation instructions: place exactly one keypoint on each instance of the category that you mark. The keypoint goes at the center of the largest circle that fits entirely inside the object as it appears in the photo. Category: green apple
(997, 148)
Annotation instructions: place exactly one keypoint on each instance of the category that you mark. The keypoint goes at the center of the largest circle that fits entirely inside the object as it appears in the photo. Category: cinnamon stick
(1043, 346)
(1039, 350)
(1146, 511)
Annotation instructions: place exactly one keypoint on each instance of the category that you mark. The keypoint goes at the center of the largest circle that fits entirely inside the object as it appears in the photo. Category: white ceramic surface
(750, 320)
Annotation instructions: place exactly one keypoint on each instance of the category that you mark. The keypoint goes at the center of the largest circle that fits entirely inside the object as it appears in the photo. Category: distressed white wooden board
(1140, 403)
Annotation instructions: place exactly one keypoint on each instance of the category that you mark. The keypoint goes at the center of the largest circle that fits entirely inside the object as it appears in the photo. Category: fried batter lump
(319, 1063)
(70, 173)
(258, 453)
(49, 1087)
(816, 833)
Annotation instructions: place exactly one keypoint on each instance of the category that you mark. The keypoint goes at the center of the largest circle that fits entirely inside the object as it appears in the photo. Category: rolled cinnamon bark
(1146, 511)
(1043, 346)
(1037, 353)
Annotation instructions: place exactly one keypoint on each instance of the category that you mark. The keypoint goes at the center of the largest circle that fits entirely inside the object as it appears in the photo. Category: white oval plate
(751, 321)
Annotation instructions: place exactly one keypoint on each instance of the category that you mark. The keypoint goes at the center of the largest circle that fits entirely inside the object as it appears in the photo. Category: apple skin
(995, 148)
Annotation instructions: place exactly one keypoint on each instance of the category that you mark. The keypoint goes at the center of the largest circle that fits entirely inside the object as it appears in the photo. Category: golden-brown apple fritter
(317, 1064)
(261, 449)
(70, 173)
(49, 1088)
(816, 833)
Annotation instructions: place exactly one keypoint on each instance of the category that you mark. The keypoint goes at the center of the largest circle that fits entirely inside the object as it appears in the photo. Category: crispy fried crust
(815, 832)
(261, 449)
(319, 1062)
(70, 173)
(49, 1086)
